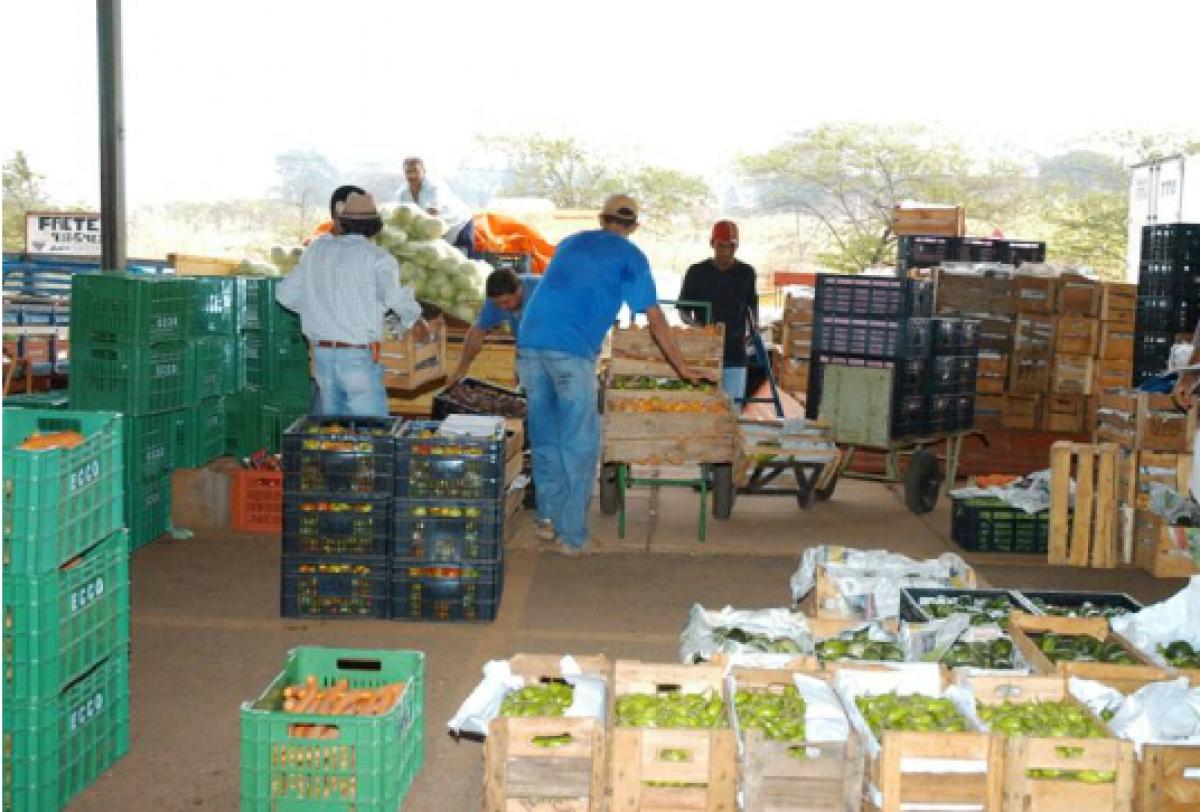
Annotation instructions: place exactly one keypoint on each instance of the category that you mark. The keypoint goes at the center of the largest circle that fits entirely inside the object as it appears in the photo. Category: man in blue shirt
(592, 274)
(507, 292)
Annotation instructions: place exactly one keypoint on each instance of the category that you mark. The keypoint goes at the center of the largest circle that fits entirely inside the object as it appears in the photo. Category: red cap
(725, 231)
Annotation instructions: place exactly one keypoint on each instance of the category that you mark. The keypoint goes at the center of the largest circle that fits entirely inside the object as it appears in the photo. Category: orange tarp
(502, 234)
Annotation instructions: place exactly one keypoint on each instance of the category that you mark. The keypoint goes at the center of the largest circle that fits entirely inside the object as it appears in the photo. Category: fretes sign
(71, 233)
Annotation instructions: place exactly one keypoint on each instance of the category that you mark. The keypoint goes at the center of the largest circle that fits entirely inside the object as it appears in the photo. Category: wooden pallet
(709, 769)
(1124, 678)
(1168, 779)
(828, 779)
(1085, 537)
(1145, 421)
(1022, 754)
(521, 775)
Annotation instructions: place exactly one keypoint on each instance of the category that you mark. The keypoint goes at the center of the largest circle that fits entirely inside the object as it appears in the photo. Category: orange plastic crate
(256, 501)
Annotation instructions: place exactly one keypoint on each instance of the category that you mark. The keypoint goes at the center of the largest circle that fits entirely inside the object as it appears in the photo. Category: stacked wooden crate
(496, 363)
(796, 343)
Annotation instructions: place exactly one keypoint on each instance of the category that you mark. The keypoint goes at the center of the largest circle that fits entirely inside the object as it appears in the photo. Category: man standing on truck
(507, 294)
(341, 289)
(592, 274)
(437, 199)
(730, 287)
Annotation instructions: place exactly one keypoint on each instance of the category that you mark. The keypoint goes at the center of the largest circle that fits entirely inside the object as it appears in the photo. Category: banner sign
(63, 233)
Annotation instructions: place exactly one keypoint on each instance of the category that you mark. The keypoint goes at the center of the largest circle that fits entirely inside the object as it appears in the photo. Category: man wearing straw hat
(341, 288)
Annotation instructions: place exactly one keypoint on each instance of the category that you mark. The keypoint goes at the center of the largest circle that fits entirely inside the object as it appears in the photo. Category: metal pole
(112, 136)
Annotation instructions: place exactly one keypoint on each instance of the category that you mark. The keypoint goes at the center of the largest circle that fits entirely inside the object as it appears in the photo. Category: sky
(214, 90)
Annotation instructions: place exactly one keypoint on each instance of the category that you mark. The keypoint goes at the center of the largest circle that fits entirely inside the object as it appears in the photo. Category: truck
(1161, 191)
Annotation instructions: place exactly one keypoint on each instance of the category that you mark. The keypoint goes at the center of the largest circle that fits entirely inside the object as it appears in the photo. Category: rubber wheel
(922, 482)
(805, 497)
(723, 492)
(826, 493)
(609, 498)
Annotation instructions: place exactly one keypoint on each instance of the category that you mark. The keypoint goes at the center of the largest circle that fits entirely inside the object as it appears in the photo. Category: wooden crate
(794, 377)
(989, 411)
(1161, 550)
(1036, 294)
(195, 265)
(1168, 779)
(798, 310)
(828, 779)
(1145, 421)
(710, 767)
(991, 384)
(1035, 333)
(520, 775)
(929, 221)
(1085, 537)
(635, 352)
(825, 601)
(1022, 754)
(993, 364)
(1021, 412)
(409, 364)
(1073, 375)
(1118, 303)
(1138, 469)
(1109, 374)
(1116, 342)
(1065, 413)
(904, 784)
(1030, 373)
(1079, 295)
(1077, 335)
(1124, 678)
(657, 437)
(797, 341)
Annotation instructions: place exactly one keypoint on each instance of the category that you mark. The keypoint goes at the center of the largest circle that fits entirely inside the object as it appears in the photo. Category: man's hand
(692, 376)
(1182, 393)
(421, 331)
(454, 377)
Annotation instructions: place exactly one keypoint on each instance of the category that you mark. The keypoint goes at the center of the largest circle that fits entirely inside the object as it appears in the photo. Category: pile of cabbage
(441, 274)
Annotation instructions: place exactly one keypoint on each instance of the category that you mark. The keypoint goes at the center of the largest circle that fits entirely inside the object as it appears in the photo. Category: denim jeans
(349, 382)
(733, 383)
(564, 436)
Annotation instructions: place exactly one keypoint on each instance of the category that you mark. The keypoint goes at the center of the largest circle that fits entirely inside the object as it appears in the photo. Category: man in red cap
(729, 285)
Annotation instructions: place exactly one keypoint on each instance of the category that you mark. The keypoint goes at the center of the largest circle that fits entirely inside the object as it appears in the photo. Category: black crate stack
(338, 492)
(1168, 303)
(448, 561)
(934, 251)
(886, 322)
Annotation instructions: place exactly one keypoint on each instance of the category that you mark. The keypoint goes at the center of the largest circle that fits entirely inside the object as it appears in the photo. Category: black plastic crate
(964, 410)
(1167, 314)
(448, 530)
(1177, 242)
(1169, 279)
(945, 336)
(328, 587)
(951, 375)
(419, 438)
(1151, 352)
(346, 455)
(1076, 603)
(989, 525)
(465, 399)
(450, 477)
(514, 261)
(924, 252)
(869, 338)
(875, 297)
(924, 604)
(347, 526)
(941, 414)
(909, 417)
(1016, 252)
(978, 249)
(452, 591)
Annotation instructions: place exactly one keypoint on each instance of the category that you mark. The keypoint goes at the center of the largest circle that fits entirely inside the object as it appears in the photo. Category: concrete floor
(207, 633)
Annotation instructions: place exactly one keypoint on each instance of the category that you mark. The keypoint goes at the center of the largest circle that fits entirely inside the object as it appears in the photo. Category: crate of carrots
(338, 729)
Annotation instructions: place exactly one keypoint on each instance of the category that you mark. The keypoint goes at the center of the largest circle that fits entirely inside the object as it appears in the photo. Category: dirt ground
(207, 633)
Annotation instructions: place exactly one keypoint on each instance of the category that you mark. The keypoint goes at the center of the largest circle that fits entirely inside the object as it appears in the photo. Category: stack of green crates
(275, 364)
(217, 371)
(66, 606)
(131, 352)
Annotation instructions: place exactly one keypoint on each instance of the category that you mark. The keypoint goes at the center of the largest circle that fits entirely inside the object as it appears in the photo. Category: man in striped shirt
(342, 287)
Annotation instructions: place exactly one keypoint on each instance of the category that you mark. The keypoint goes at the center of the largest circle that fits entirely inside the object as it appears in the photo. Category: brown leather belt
(340, 345)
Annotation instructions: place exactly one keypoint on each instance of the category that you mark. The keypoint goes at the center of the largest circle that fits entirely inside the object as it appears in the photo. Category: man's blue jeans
(733, 382)
(564, 436)
(349, 382)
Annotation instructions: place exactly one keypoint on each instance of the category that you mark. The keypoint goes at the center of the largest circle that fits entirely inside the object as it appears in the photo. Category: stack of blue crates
(66, 606)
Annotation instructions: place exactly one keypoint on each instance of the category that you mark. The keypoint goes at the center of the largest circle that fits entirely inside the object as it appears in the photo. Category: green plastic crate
(129, 309)
(215, 306)
(57, 626)
(207, 362)
(371, 764)
(201, 437)
(55, 748)
(149, 444)
(260, 311)
(277, 417)
(275, 363)
(148, 504)
(55, 399)
(59, 503)
(132, 380)
(243, 422)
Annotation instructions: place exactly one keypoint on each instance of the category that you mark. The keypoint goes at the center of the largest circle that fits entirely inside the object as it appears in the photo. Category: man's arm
(687, 293)
(400, 300)
(666, 341)
(471, 347)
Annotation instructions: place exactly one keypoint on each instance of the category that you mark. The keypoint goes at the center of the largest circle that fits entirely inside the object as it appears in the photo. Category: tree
(23, 192)
(306, 180)
(848, 177)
